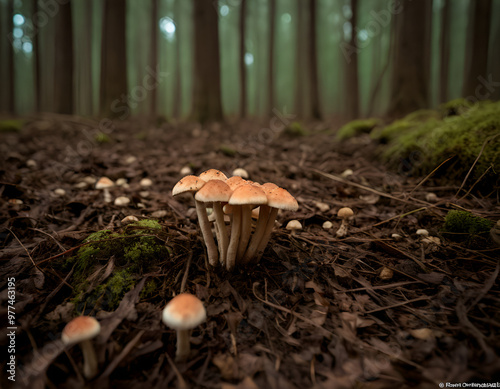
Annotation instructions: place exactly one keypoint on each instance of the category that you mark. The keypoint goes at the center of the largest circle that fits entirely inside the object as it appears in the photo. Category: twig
(45, 233)
(297, 315)
(25, 249)
(429, 175)
(181, 384)
(397, 305)
(186, 272)
(474, 164)
(475, 183)
(126, 350)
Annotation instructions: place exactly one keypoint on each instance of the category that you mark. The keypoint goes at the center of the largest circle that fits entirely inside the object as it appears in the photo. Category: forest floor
(316, 312)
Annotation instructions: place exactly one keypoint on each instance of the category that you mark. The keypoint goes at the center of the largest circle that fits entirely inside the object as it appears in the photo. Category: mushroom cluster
(234, 198)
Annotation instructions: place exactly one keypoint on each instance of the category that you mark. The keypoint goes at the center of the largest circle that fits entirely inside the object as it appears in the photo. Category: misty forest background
(226, 59)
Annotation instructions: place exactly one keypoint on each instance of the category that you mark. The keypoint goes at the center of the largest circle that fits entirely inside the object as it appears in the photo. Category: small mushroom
(105, 183)
(344, 213)
(183, 313)
(81, 330)
(240, 173)
(327, 225)
(293, 225)
(122, 201)
(146, 182)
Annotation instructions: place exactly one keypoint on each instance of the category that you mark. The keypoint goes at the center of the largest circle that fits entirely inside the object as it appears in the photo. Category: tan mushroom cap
(184, 312)
(213, 174)
(235, 181)
(79, 329)
(104, 183)
(248, 194)
(188, 184)
(294, 225)
(269, 186)
(214, 190)
(280, 198)
(345, 213)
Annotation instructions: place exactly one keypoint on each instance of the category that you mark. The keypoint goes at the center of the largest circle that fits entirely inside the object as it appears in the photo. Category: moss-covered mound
(458, 129)
(12, 125)
(464, 226)
(357, 127)
(295, 129)
(110, 263)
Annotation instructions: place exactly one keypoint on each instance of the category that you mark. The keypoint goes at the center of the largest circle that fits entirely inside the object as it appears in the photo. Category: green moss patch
(295, 129)
(464, 226)
(135, 249)
(458, 130)
(12, 125)
(357, 127)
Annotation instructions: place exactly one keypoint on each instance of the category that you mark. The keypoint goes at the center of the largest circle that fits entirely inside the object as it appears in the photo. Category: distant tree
(113, 61)
(7, 53)
(477, 45)
(351, 67)
(444, 43)
(207, 86)
(411, 57)
(63, 66)
(301, 62)
(243, 80)
(153, 61)
(272, 40)
(313, 61)
(177, 80)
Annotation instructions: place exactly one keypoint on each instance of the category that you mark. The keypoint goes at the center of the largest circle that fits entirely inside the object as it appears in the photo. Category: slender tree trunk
(7, 52)
(351, 69)
(444, 43)
(313, 62)
(301, 61)
(63, 69)
(154, 52)
(272, 38)
(207, 87)
(477, 46)
(243, 72)
(113, 89)
(411, 57)
(37, 60)
(177, 81)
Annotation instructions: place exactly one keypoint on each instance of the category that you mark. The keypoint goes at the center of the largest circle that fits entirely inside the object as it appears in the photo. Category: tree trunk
(113, 101)
(207, 89)
(411, 57)
(351, 69)
(313, 62)
(272, 38)
(301, 61)
(154, 52)
(63, 67)
(477, 47)
(444, 42)
(177, 81)
(7, 54)
(243, 80)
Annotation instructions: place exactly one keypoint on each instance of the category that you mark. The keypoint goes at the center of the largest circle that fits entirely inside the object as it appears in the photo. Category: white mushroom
(344, 213)
(183, 313)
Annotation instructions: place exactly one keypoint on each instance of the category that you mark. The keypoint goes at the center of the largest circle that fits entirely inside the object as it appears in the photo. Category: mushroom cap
(269, 185)
(188, 184)
(345, 213)
(213, 174)
(248, 194)
(293, 225)
(103, 183)
(280, 198)
(422, 232)
(184, 312)
(235, 181)
(240, 172)
(79, 329)
(214, 190)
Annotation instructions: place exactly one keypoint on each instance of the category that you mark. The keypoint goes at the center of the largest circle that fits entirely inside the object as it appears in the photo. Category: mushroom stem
(246, 230)
(206, 231)
(235, 237)
(258, 234)
(222, 232)
(342, 231)
(89, 359)
(267, 234)
(183, 345)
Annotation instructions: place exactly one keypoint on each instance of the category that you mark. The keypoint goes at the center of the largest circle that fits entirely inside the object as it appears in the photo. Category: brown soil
(314, 313)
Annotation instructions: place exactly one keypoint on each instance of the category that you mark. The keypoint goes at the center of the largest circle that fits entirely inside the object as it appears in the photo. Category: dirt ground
(316, 312)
